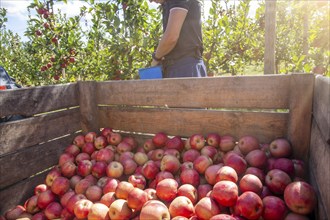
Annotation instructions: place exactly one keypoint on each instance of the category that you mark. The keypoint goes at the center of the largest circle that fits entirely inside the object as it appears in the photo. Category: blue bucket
(154, 72)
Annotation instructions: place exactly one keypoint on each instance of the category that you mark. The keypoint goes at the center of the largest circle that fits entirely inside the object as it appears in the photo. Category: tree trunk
(270, 36)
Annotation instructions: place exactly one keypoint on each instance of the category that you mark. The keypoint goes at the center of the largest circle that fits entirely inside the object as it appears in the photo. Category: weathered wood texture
(31, 131)
(31, 101)
(29, 161)
(88, 105)
(319, 165)
(251, 92)
(20, 192)
(299, 126)
(186, 122)
(321, 106)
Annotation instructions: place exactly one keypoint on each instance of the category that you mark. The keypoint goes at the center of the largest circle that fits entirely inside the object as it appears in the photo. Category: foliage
(111, 40)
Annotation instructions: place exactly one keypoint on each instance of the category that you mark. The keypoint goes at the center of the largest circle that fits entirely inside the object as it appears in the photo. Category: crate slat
(31, 101)
(185, 122)
(28, 132)
(224, 92)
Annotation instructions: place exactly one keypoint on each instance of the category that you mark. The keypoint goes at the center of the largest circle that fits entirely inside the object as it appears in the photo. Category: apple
(82, 185)
(300, 197)
(31, 205)
(38, 32)
(163, 175)
(204, 190)
(213, 139)
(188, 191)
(250, 182)
(277, 180)
(223, 217)
(108, 198)
(285, 164)
(151, 192)
(14, 213)
(175, 143)
(125, 155)
(140, 158)
(123, 189)
(94, 193)
(106, 131)
(248, 143)
(124, 147)
(154, 209)
(72, 201)
(211, 173)
(110, 185)
(280, 147)
(181, 206)
(190, 176)
(88, 148)
(82, 208)
(256, 158)
(197, 141)
(160, 139)
(45, 198)
(100, 142)
(82, 156)
(53, 210)
(74, 180)
(138, 180)
(115, 169)
(52, 175)
(274, 208)
(173, 152)
(129, 166)
(225, 193)
(105, 155)
(257, 172)
(84, 168)
(65, 198)
(210, 151)
(190, 155)
(68, 169)
(72, 149)
(226, 173)
(265, 192)
(249, 205)
(150, 169)
(40, 188)
(64, 158)
(186, 165)
(40, 216)
(299, 168)
(167, 189)
(170, 163)
(120, 210)
(60, 185)
(295, 216)
(206, 208)
(237, 162)
(90, 137)
(130, 140)
(148, 145)
(137, 198)
(201, 163)
(227, 143)
(114, 138)
(79, 140)
(99, 169)
(99, 211)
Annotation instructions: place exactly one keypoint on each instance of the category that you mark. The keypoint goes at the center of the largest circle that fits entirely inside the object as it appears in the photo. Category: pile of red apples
(108, 175)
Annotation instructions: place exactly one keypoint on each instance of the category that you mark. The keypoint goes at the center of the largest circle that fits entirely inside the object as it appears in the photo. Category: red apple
(154, 209)
(120, 210)
(300, 197)
(249, 205)
(65, 198)
(90, 137)
(137, 198)
(190, 176)
(106, 132)
(72, 149)
(137, 180)
(204, 190)
(201, 163)
(227, 143)
(265, 192)
(100, 142)
(256, 158)
(148, 145)
(151, 193)
(213, 139)
(150, 169)
(170, 163)
(115, 169)
(72, 201)
(211, 173)
(53, 210)
(82, 208)
(114, 138)
(181, 206)
(285, 164)
(226, 173)
(39, 216)
(210, 151)
(14, 213)
(130, 140)
(79, 140)
(88, 148)
(124, 147)
(250, 182)
(94, 193)
(257, 172)
(156, 154)
(274, 208)
(84, 168)
(237, 163)
(40, 188)
(60, 185)
(45, 198)
(82, 185)
(108, 198)
(248, 143)
(31, 205)
(299, 168)
(173, 152)
(74, 180)
(206, 208)
(280, 147)
(99, 169)
(99, 211)
(190, 155)
(123, 189)
(277, 180)
(160, 139)
(225, 193)
(105, 155)
(186, 166)
(68, 169)
(188, 191)
(223, 217)
(110, 185)
(197, 141)
(140, 158)
(52, 175)
(167, 189)
(175, 143)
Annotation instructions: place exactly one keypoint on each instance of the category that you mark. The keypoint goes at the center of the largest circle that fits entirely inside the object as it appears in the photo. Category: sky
(17, 12)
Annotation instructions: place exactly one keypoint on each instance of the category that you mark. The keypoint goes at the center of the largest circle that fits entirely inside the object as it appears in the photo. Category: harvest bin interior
(295, 106)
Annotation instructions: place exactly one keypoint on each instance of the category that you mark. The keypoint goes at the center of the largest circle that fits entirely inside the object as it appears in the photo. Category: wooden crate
(264, 106)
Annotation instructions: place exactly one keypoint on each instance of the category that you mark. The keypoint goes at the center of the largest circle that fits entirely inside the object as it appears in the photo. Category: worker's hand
(154, 63)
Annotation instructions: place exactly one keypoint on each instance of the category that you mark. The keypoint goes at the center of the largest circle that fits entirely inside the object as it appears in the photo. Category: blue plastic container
(154, 72)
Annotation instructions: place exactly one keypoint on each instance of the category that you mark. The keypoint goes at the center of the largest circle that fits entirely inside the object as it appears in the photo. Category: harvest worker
(180, 49)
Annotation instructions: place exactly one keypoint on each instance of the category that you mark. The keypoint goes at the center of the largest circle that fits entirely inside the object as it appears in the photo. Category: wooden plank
(270, 92)
(29, 161)
(19, 193)
(33, 100)
(31, 131)
(185, 122)
(88, 105)
(321, 106)
(301, 99)
(319, 164)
